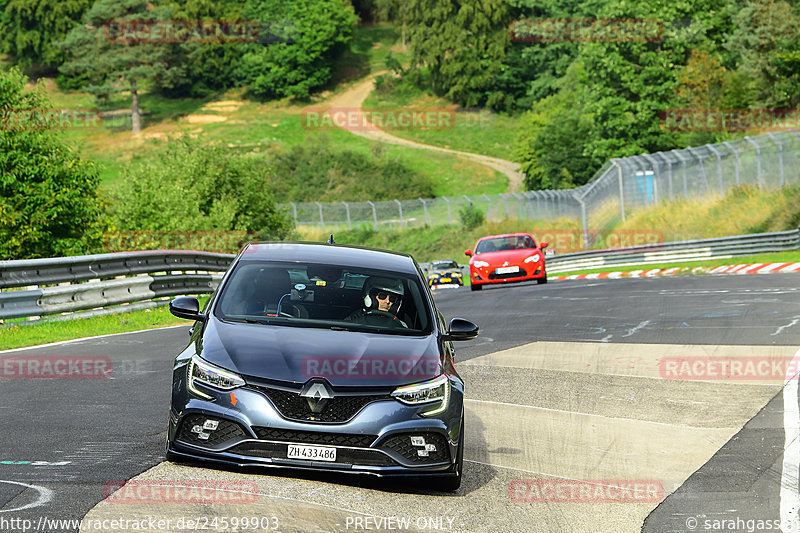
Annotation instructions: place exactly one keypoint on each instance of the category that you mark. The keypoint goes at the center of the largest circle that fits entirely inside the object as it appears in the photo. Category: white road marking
(59, 343)
(790, 324)
(550, 409)
(637, 328)
(45, 496)
(790, 488)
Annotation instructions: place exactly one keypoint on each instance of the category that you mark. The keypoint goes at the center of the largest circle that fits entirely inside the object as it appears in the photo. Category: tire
(475, 287)
(542, 281)
(453, 482)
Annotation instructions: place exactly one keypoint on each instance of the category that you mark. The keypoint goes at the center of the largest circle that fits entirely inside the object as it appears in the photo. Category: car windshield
(501, 244)
(324, 296)
(444, 265)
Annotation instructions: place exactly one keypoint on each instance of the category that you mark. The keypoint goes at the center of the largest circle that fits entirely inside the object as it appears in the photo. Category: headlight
(534, 258)
(436, 390)
(480, 264)
(201, 371)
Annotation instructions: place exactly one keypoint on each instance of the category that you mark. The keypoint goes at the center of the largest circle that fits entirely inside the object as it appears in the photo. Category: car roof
(334, 254)
(506, 235)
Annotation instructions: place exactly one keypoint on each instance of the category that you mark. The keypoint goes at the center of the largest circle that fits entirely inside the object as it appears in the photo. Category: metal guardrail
(132, 280)
(98, 281)
(677, 252)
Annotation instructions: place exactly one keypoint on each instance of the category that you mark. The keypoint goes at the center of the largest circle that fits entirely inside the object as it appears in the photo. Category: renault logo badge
(317, 394)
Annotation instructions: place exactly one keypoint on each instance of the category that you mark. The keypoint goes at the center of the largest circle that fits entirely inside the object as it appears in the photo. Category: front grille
(226, 431)
(402, 445)
(309, 437)
(344, 456)
(295, 407)
(520, 274)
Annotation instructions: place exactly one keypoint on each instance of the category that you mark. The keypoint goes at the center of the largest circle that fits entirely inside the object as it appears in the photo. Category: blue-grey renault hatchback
(324, 357)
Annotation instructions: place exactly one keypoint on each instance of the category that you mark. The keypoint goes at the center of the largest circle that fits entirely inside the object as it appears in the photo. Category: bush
(48, 200)
(308, 35)
(309, 173)
(194, 187)
(471, 217)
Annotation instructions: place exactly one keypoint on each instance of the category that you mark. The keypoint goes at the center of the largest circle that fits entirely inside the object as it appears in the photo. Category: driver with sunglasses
(382, 300)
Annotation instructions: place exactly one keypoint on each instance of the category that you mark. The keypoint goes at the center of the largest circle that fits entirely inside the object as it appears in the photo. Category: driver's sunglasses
(382, 295)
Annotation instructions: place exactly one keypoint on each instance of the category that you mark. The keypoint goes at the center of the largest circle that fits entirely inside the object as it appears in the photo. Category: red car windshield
(501, 244)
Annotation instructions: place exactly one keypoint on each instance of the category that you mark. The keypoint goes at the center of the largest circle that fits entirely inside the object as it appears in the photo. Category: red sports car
(505, 259)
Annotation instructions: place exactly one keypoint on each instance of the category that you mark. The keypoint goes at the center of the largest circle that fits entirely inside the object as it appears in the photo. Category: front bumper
(487, 276)
(376, 440)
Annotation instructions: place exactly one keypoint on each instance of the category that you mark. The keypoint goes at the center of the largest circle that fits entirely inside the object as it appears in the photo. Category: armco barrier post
(780, 153)
(321, 219)
(736, 157)
(400, 208)
(719, 165)
(683, 166)
(758, 161)
(702, 172)
(617, 164)
(374, 216)
(347, 210)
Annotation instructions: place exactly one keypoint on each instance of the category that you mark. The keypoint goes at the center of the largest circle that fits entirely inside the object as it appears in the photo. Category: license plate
(507, 270)
(311, 453)
(446, 280)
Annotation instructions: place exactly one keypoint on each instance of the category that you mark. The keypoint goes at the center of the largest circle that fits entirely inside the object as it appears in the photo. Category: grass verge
(47, 332)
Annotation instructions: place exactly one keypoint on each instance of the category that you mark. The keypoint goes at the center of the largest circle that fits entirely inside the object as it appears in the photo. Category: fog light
(203, 436)
(197, 429)
(422, 453)
(430, 447)
(417, 441)
(211, 425)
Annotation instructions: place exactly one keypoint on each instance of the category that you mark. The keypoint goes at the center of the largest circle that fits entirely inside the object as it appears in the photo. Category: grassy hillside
(742, 210)
(252, 127)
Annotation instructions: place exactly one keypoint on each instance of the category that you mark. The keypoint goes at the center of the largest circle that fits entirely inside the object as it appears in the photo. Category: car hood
(506, 255)
(345, 358)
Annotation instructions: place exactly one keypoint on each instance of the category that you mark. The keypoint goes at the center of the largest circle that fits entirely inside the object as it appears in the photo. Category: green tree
(115, 63)
(194, 187)
(461, 43)
(765, 32)
(30, 29)
(48, 201)
(303, 38)
(552, 146)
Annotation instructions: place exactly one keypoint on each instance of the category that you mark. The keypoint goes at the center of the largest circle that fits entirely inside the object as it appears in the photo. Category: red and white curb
(757, 268)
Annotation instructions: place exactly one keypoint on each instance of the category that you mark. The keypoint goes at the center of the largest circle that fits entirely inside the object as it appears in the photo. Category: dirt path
(353, 98)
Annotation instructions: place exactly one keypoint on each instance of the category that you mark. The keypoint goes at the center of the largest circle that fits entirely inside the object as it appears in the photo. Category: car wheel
(453, 482)
(542, 281)
(475, 287)
(171, 457)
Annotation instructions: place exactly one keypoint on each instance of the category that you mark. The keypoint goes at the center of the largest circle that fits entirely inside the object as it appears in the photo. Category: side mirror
(468, 252)
(186, 307)
(461, 330)
(543, 245)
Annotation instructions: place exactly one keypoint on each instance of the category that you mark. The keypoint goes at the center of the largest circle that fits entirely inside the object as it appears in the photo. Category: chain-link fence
(767, 161)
